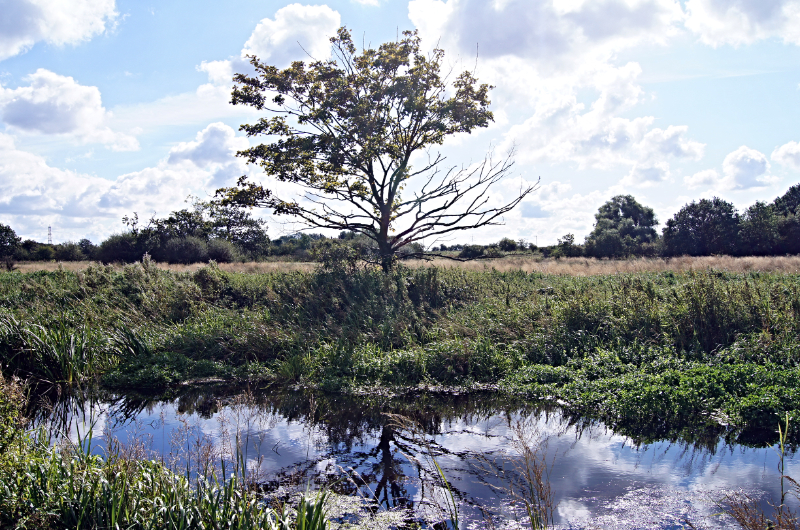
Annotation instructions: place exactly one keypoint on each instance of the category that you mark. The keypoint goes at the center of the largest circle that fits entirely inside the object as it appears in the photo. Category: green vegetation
(46, 487)
(663, 353)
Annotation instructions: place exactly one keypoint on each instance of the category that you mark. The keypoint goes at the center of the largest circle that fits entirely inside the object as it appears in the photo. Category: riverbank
(691, 352)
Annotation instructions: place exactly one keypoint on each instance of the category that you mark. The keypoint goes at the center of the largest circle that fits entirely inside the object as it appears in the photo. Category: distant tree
(88, 248)
(9, 242)
(566, 248)
(345, 130)
(758, 233)
(789, 202)
(622, 228)
(507, 245)
(69, 251)
(787, 210)
(126, 247)
(703, 228)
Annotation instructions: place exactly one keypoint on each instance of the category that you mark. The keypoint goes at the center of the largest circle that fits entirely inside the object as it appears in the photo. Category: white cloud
(55, 104)
(296, 32)
(216, 144)
(542, 54)
(543, 30)
(737, 22)
(707, 177)
(295, 28)
(25, 22)
(34, 194)
(788, 155)
(746, 168)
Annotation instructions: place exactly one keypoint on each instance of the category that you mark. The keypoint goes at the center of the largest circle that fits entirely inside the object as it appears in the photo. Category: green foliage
(703, 228)
(623, 228)
(185, 250)
(759, 232)
(345, 130)
(122, 248)
(45, 488)
(343, 327)
(9, 242)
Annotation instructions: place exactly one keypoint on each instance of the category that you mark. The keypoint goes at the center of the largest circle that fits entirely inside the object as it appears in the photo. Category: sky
(110, 107)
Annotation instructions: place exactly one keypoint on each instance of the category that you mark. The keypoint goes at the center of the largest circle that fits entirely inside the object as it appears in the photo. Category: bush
(121, 248)
(507, 245)
(44, 253)
(69, 251)
(471, 252)
(186, 250)
(222, 251)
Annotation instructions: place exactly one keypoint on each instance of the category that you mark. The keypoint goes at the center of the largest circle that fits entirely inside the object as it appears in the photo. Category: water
(368, 446)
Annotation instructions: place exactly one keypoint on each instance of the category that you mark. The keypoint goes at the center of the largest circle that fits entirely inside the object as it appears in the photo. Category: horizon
(114, 107)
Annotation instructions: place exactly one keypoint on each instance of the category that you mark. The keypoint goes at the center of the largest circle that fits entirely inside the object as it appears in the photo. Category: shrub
(186, 250)
(471, 252)
(507, 245)
(121, 248)
(69, 251)
(222, 251)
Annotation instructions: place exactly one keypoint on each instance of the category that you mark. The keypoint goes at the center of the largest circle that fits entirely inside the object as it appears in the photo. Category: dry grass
(250, 267)
(593, 267)
(566, 266)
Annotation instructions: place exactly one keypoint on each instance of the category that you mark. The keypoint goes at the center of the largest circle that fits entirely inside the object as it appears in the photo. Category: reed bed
(598, 267)
(513, 262)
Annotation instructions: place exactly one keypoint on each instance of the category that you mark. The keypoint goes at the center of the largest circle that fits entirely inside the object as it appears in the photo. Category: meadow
(694, 351)
(686, 349)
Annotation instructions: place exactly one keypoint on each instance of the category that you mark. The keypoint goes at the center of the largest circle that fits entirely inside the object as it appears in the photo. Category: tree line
(623, 228)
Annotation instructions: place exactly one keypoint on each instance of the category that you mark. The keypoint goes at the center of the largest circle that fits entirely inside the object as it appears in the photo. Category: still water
(383, 448)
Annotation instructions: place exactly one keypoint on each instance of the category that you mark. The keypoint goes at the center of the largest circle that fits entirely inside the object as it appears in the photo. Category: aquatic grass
(61, 487)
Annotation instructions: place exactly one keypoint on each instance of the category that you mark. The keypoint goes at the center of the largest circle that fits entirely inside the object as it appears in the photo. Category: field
(513, 262)
(685, 349)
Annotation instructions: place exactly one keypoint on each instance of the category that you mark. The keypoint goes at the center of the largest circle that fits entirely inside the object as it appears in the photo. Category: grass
(663, 354)
(511, 262)
(65, 486)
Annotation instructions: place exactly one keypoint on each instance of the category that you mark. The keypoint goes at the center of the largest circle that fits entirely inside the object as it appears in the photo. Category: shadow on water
(291, 438)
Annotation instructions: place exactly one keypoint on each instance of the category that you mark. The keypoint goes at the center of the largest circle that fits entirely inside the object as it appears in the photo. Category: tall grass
(658, 348)
(66, 486)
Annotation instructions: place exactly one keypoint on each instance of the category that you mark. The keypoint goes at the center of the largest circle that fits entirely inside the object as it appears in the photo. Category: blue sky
(112, 107)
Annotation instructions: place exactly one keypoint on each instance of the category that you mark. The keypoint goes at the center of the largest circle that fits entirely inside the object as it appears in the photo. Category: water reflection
(600, 478)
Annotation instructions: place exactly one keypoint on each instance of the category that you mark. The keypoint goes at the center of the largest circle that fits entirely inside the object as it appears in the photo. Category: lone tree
(345, 130)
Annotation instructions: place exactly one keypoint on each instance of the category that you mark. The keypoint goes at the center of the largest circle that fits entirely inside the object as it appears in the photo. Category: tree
(759, 230)
(623, 228)
(9, 241)
(345, 131)
(703, 228)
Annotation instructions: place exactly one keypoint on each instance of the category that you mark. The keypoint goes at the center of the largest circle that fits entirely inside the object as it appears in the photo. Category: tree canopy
(345, 130)
(8, 241)
(703, 228)
(623, 228)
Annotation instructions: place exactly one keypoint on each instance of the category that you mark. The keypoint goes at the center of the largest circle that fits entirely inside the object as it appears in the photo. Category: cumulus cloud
(298, 32)
(788, 155)
(55, 104)
(746, 168)
(706, 178)
(295, 28)
(544, 30)
(737, 22)
(216, 144)
(542, 54)
(34, 194)
(25, 22)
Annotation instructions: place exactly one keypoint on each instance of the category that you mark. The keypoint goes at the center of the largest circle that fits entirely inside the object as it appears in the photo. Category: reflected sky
(599, 479)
